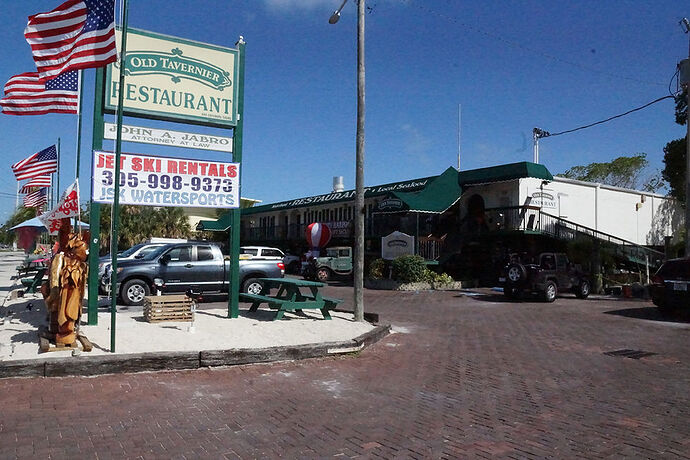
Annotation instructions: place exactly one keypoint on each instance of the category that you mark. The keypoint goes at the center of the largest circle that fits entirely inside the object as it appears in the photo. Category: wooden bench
(168, 308)
(331, 302)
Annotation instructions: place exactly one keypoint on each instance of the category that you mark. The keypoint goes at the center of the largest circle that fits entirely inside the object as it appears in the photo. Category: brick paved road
(464, 377)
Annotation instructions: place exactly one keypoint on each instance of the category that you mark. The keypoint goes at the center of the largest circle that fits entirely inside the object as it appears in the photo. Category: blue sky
(511, 65)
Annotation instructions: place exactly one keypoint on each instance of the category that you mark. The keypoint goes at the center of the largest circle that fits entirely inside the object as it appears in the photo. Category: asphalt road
(462, 377)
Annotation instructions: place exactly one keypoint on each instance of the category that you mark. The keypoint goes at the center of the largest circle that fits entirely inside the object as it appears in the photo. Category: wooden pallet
(168, 308)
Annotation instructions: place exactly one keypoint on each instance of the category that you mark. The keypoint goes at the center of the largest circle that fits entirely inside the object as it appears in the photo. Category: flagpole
(81, 77)
(58, 167)
(114, 221)
(16, 203)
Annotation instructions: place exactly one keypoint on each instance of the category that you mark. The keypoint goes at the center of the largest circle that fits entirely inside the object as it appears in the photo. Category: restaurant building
(474, 215)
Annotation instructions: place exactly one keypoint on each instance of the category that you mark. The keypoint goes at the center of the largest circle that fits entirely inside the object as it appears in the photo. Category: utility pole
(685, 83)
(459, 132)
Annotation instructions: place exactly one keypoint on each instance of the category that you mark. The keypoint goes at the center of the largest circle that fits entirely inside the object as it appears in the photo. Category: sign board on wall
(544, 198)
(396, 244)
(169, 137)
(159, 181)
(175, 79)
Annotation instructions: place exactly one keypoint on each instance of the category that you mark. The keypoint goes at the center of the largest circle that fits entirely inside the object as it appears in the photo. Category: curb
(146, 362)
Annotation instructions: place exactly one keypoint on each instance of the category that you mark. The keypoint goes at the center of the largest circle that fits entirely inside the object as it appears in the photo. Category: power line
(541, 133)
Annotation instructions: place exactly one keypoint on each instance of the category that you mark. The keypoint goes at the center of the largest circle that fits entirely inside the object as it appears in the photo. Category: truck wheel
(550, 291)
(252, 286)
(134, 291)
(516, 273)
(323, 274)
(583, 290)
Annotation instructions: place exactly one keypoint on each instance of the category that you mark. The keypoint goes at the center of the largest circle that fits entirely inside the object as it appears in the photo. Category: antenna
(459, 132)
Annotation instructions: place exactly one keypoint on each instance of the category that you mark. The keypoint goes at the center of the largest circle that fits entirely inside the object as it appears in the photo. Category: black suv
(670, 286)
(552, 274)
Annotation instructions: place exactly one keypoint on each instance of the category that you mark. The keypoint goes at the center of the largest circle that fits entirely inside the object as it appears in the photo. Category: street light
(359, 171)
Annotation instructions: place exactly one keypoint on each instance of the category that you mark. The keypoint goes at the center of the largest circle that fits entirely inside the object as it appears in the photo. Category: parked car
(670, 287)
(336, 261)
(138, 251)
(193, 266)
(292, 263)
(552, 274)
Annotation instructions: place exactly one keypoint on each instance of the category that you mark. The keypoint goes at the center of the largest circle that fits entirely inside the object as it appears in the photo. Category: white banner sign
(169, 137)
(67, 206)
(159, 181)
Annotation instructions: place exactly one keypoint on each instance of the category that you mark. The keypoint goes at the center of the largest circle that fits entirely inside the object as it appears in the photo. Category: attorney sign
(175, 79)
(169, 137)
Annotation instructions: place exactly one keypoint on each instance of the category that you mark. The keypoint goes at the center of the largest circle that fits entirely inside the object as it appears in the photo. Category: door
(343, 262)
(178, 272)
(208, 271)
(563, 273)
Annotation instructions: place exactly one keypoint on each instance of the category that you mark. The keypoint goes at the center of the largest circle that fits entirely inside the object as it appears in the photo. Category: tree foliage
(624, 171)
(21, 214)
(674, 170)
(139, 223)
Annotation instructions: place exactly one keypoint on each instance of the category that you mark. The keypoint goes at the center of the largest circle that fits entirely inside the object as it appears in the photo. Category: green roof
(223, 223)
(503, 173)
(439, 195)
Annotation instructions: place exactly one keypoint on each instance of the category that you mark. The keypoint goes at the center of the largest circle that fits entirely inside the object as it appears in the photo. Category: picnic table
(290, 296)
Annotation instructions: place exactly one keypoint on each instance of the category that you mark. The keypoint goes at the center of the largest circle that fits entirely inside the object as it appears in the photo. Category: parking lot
(465, 375)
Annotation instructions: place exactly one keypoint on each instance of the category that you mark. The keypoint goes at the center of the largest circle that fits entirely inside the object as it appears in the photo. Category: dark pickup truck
(180, 267)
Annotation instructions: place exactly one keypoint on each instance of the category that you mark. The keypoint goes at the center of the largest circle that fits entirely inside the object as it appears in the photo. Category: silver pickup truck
(180, 267)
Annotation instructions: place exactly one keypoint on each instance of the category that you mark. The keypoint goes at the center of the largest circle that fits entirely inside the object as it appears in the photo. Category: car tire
(252, 286)
(323, 274)
(550, 291)
(583, 290)
(516, 274)
(134, 291)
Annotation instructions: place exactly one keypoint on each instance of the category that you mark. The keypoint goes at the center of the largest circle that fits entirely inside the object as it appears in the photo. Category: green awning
(223, 224)
(503, 173)
(441, 193)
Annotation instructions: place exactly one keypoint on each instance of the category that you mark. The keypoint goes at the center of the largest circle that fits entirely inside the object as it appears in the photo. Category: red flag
(79, 34)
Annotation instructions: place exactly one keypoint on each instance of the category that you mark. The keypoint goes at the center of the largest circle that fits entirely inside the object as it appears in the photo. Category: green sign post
(169, 79)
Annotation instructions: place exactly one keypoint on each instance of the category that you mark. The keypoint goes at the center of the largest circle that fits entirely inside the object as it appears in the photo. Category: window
(331, 253)
(561, 261)
(204, 253)
(250, 251)
(344, 253)
(548, 262)
(181, 254)
(272, 253)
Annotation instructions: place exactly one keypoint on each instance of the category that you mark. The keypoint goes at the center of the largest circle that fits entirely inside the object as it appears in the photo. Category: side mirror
(165, 258)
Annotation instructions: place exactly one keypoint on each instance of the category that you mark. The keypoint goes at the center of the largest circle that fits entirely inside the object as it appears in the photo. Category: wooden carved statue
(64, 291)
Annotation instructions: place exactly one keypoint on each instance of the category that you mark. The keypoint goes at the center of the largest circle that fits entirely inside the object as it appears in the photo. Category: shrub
(376, 269)
(437, 278)
(409, 269)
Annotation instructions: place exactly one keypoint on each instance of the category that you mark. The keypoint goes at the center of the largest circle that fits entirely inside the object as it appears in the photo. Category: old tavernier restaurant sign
(176, 79)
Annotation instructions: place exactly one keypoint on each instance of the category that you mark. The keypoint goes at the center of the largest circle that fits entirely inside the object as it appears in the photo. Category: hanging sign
(67, 206)
(169, 137)
(170, 78)
(159, 181)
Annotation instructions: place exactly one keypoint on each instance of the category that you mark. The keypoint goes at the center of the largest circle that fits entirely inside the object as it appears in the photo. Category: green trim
(172, 116)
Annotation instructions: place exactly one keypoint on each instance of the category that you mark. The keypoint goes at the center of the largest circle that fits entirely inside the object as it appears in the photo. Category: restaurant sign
(158, 181)
(175, 79)
(396, 244)
(169, 137)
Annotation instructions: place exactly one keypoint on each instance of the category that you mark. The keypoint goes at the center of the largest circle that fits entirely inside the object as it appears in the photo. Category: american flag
(37, 182)
(25, 94)
(38, 164)
(79, 34)
(36, 199)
